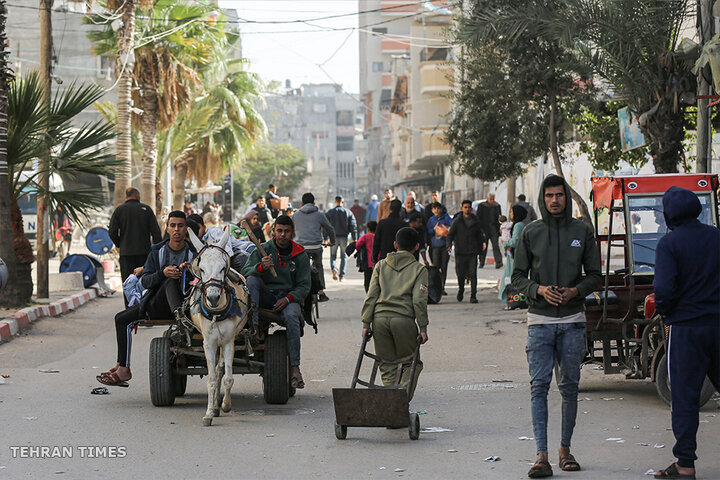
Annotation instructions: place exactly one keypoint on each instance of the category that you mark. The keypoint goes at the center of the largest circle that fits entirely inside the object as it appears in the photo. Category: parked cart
(377, 405)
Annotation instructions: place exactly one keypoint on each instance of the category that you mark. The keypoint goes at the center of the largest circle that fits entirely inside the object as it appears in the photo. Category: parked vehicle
(624, 334)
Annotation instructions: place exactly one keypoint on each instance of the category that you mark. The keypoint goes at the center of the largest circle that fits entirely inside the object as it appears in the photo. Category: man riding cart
(624, 334)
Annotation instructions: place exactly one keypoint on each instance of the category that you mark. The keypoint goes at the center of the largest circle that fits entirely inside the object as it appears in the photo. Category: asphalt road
(470, 348)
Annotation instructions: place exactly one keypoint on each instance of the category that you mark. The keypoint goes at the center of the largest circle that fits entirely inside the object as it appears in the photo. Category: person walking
(366, 241)
(417, 222)
(518, 214)
(438, 228)
(489, 213)
(311, 226)
(553, 253)
(687, 295)
(63, 227)
(387, 228)
(133, 229)
(384, 207)
(410, 208)
(372, 209)
(395, 309)
(467, 234)
(428, 211)
(360, 214)
(531, 215)
(343, 222)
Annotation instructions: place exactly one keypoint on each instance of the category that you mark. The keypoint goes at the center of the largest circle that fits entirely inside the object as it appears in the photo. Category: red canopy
(606, 189)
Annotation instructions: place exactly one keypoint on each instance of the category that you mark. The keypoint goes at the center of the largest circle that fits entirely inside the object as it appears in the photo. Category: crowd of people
(551, 260)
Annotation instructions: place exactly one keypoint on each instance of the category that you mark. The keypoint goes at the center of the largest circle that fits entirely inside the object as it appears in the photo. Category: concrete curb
(14, 324)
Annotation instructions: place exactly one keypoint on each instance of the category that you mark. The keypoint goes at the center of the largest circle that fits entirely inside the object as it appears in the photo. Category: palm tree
(32, 129)
(176, 38)
(630, 44)
(12, 295)
(233, 128)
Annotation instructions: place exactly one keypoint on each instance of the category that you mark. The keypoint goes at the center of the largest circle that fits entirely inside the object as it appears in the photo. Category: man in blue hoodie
(687, 295)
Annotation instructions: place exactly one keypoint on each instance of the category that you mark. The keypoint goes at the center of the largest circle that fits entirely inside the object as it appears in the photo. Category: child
(396, 307)
(367, 242)
(505, 230)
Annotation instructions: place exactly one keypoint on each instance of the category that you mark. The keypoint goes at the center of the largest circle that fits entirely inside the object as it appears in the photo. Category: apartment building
(320, 120)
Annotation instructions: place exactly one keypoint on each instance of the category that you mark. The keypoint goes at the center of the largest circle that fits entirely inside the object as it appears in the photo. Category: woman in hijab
(254, 222)
(517, 215)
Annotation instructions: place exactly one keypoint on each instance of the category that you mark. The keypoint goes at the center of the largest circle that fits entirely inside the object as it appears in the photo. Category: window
(319, 134)
(385, 99)
(344, 144)
(378, 66)
(344, 118)
(379, 30)
(319, 108)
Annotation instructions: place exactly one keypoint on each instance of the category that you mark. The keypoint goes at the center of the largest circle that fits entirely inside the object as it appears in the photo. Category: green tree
(33, 129)
(281, 164)
(540, 70)
(630, 44)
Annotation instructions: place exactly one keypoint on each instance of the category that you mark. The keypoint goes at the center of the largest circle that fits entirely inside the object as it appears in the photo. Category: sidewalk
(13, 322)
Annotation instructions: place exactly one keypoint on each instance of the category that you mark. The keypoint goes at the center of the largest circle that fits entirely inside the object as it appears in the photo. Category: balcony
(436, 77)
(434, 143)
(394, 44)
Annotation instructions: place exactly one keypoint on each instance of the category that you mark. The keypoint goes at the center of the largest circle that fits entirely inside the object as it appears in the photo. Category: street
(475, 385)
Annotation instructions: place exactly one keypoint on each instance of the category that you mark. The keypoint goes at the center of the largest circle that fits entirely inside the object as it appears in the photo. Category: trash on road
(501, 380)
(610, 399)
(492, 458)
(657, 445)
(49, 370)
(526, 438)
(650, 472)
(5, 375)
(318, 379)
(383, 468)
(269, 435)
(30, 418)
(452, 450)
(100, 391)
(398, 470)
(636, 427)
(643, 444)
(434, 430)
(422, 412)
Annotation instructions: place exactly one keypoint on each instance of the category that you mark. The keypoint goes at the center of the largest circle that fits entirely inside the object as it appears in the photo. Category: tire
(276, 374)
(414, 427)
(292, 391)
(340, 432)
(662, 384)
(162, 385)
(179, 380)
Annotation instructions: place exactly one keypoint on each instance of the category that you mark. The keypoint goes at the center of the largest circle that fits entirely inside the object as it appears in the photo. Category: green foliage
(597, 122)
(33, 129)
(282, 165)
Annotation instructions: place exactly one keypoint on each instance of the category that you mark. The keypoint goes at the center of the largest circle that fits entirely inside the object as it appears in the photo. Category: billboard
(630, 134)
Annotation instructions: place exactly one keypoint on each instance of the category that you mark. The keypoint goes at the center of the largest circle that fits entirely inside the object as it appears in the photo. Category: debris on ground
(650, 472)
(422, 412)
(657, 445)
(269, 435)
(100, 391)
(5, 375)
(49, 370)
(492, 458)
(526, 438)
(501, 380)
(643, 444)
(30, 418)
(452, 450)
(434, 430)
(398, 470)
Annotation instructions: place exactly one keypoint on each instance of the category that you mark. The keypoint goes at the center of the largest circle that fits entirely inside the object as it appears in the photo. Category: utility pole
(704, 128)
(43, 219)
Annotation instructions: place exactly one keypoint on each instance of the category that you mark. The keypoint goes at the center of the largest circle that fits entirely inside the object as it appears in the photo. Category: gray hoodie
(311, 225)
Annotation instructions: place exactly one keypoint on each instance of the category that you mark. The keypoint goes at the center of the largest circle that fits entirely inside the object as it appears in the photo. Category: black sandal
(671, 472)
(541, 469)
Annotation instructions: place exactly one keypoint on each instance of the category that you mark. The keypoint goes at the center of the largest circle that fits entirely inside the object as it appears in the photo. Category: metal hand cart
(377, 405)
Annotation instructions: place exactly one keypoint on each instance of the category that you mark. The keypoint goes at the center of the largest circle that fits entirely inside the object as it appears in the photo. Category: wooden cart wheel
(340, 432)
(414, 427)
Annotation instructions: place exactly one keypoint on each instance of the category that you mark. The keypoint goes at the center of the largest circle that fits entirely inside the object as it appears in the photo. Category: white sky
(278, 54)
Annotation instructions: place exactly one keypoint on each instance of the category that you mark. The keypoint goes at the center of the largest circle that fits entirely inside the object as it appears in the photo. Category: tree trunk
(579, 201)
(12, 295)
(149, 136)
(181, 169)
(510, 182)
(123, 145)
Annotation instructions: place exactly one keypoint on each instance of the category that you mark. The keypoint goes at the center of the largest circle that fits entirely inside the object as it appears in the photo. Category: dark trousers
(368, 276)
(466, 267)
(128, 263)
(440, 257)
(492, 236)
(160, 305)
(315, 255)
(693, 352)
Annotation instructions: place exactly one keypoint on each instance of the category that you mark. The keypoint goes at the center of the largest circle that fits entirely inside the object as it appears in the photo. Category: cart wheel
(276, 372)
(340, 432)
(662, 384)
(179, 380)
(162, 388)
(414, 427)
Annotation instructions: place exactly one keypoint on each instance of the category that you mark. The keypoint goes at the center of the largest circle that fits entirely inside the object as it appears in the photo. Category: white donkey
(219, 310)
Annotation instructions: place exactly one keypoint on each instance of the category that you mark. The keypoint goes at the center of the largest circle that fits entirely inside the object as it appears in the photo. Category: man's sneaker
(342, 279)
(335, 273)
(322, 297)
(460, 296)
(473, 300)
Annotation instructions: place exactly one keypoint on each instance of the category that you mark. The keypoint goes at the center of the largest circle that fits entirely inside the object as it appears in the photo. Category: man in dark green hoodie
(549, 263)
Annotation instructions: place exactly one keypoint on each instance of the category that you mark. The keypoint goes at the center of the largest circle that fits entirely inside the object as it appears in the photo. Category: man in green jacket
(396, 307)
(553, 253)
(285, 293)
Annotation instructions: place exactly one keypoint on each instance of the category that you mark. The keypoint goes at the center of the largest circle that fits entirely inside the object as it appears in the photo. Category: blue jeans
(263, 297)
(341, 243)
(561, 346)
